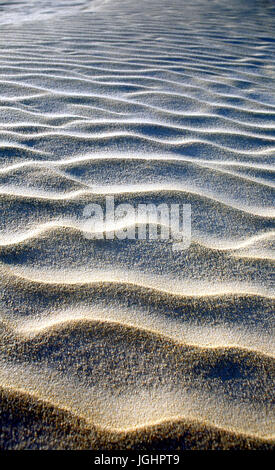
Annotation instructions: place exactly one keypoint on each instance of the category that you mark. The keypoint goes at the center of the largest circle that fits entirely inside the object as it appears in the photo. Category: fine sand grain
(114, 344)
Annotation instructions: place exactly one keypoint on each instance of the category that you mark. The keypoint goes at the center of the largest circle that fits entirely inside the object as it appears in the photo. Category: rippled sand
(113, 344)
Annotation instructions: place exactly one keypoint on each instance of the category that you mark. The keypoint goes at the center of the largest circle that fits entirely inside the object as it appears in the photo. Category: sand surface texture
(129, 343)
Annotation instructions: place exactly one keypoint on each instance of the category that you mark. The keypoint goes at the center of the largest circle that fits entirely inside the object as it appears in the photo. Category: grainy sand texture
(128, 343)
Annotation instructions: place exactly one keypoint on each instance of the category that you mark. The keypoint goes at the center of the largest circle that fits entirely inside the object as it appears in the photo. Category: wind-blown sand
(113, 344)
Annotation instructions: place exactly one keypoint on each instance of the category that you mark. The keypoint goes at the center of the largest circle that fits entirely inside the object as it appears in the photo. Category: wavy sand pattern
(127, 343)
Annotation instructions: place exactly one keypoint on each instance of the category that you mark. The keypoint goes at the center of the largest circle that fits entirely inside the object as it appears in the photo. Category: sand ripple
(118, 343)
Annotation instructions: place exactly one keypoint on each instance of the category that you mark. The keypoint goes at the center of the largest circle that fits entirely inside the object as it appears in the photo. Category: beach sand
(129, 343)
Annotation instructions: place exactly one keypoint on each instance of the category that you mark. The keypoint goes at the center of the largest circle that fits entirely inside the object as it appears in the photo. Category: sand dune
(63, 430)
(199, 376)
(111, 344)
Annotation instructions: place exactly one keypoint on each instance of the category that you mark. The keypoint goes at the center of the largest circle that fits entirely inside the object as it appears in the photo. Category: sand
(122, 343)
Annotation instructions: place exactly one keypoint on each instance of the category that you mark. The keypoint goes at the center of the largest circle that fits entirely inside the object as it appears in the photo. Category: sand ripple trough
(127, 342)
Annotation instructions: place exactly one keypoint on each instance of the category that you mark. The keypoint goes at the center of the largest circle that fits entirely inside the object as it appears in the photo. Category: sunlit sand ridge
(129, 343)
